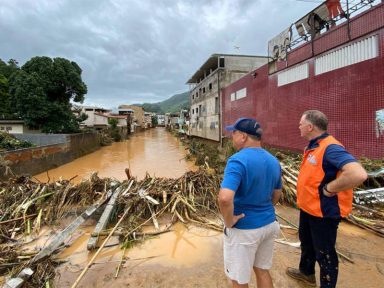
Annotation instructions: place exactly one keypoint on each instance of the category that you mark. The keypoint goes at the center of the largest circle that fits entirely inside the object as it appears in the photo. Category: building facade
(217, 72)
(138, 115)
(340, 72)
(97, 117)
(15, 127)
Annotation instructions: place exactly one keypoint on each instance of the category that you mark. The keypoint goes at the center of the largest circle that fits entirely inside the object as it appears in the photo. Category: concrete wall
(83, 143)
(42, 139)
(39, 159)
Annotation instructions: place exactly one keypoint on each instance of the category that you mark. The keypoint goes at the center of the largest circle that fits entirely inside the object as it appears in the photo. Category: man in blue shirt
(250, 189)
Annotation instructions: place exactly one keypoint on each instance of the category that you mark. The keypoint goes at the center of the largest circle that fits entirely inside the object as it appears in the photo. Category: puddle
(181, 247)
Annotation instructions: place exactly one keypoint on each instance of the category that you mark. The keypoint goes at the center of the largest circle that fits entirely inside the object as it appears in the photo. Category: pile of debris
(368, 207)
(26, 205)
(9, 142)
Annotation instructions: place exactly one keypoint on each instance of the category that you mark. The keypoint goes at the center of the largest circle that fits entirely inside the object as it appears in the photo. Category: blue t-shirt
(253, 174)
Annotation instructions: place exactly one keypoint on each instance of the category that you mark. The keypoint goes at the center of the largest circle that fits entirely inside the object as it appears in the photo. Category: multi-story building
(138, 114)
(216, 73)
(160, 120)
(129, 113)
(97, 117)
(147, 119)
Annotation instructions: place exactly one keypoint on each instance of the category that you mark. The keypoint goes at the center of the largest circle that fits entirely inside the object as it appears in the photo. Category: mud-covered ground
(192, 257)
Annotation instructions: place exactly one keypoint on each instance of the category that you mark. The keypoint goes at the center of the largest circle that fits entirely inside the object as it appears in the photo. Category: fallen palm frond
(366, 194)
(26, 205)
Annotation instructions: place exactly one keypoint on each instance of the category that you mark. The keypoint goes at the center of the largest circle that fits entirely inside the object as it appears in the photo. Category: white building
(12, 126)
(161, 120)
(97, 117)
(216, 73)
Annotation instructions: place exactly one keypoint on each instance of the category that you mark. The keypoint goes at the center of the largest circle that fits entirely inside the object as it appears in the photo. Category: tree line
(41, 93)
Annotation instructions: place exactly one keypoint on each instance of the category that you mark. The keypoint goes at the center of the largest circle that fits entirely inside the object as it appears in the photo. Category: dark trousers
(318, 239)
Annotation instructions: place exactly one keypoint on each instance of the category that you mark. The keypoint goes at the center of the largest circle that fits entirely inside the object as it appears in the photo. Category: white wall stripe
(294, 74)
(354, 53)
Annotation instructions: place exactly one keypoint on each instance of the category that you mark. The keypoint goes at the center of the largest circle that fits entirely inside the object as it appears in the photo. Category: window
(221, 62)
(239, 94)
(210, 86)
(193, 96)
(199, 110)
(203, 90)
(193, 111)
(216, 105)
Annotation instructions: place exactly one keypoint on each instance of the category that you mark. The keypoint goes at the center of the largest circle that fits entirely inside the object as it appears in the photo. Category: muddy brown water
(155, 151)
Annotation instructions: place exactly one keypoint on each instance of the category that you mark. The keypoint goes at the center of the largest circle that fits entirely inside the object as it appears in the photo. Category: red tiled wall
(349, 97)
(299, 55)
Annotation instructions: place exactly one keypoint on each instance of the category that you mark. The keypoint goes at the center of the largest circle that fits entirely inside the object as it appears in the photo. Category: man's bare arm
(225, 199)
(276, 196)
(352, 175)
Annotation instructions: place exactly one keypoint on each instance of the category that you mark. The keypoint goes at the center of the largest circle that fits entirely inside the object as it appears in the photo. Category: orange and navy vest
(310, 183)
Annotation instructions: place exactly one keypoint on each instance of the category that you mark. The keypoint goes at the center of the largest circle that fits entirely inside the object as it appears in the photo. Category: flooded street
(155, 151)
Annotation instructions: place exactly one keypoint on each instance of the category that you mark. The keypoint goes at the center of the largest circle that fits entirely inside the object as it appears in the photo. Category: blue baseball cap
(246, 125)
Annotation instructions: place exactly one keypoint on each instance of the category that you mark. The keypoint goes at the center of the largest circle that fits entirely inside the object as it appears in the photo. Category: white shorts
(245, 249)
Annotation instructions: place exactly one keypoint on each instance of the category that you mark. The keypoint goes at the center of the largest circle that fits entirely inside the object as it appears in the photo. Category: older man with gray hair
(327, 176)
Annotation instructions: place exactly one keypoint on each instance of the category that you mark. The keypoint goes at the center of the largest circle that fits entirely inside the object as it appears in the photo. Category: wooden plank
(18, 281)
(59, 239)
(101, 248)
(103, 221)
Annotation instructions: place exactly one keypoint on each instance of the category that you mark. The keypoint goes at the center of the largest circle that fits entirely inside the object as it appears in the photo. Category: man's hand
(327, 193)
(235, 219)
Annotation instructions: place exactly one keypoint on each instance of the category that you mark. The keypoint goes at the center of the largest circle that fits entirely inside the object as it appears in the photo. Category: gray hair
(317, 118)
(254, 137)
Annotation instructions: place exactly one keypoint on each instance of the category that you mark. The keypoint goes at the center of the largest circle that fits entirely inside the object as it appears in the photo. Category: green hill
(172, 104)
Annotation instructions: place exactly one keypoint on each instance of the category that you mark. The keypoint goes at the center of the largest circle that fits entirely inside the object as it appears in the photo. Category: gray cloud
(140, 51)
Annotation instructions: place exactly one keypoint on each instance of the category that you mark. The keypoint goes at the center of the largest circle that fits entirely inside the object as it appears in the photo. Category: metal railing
(350, 7)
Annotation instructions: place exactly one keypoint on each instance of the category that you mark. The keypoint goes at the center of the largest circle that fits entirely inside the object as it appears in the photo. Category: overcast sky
(143, 50)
